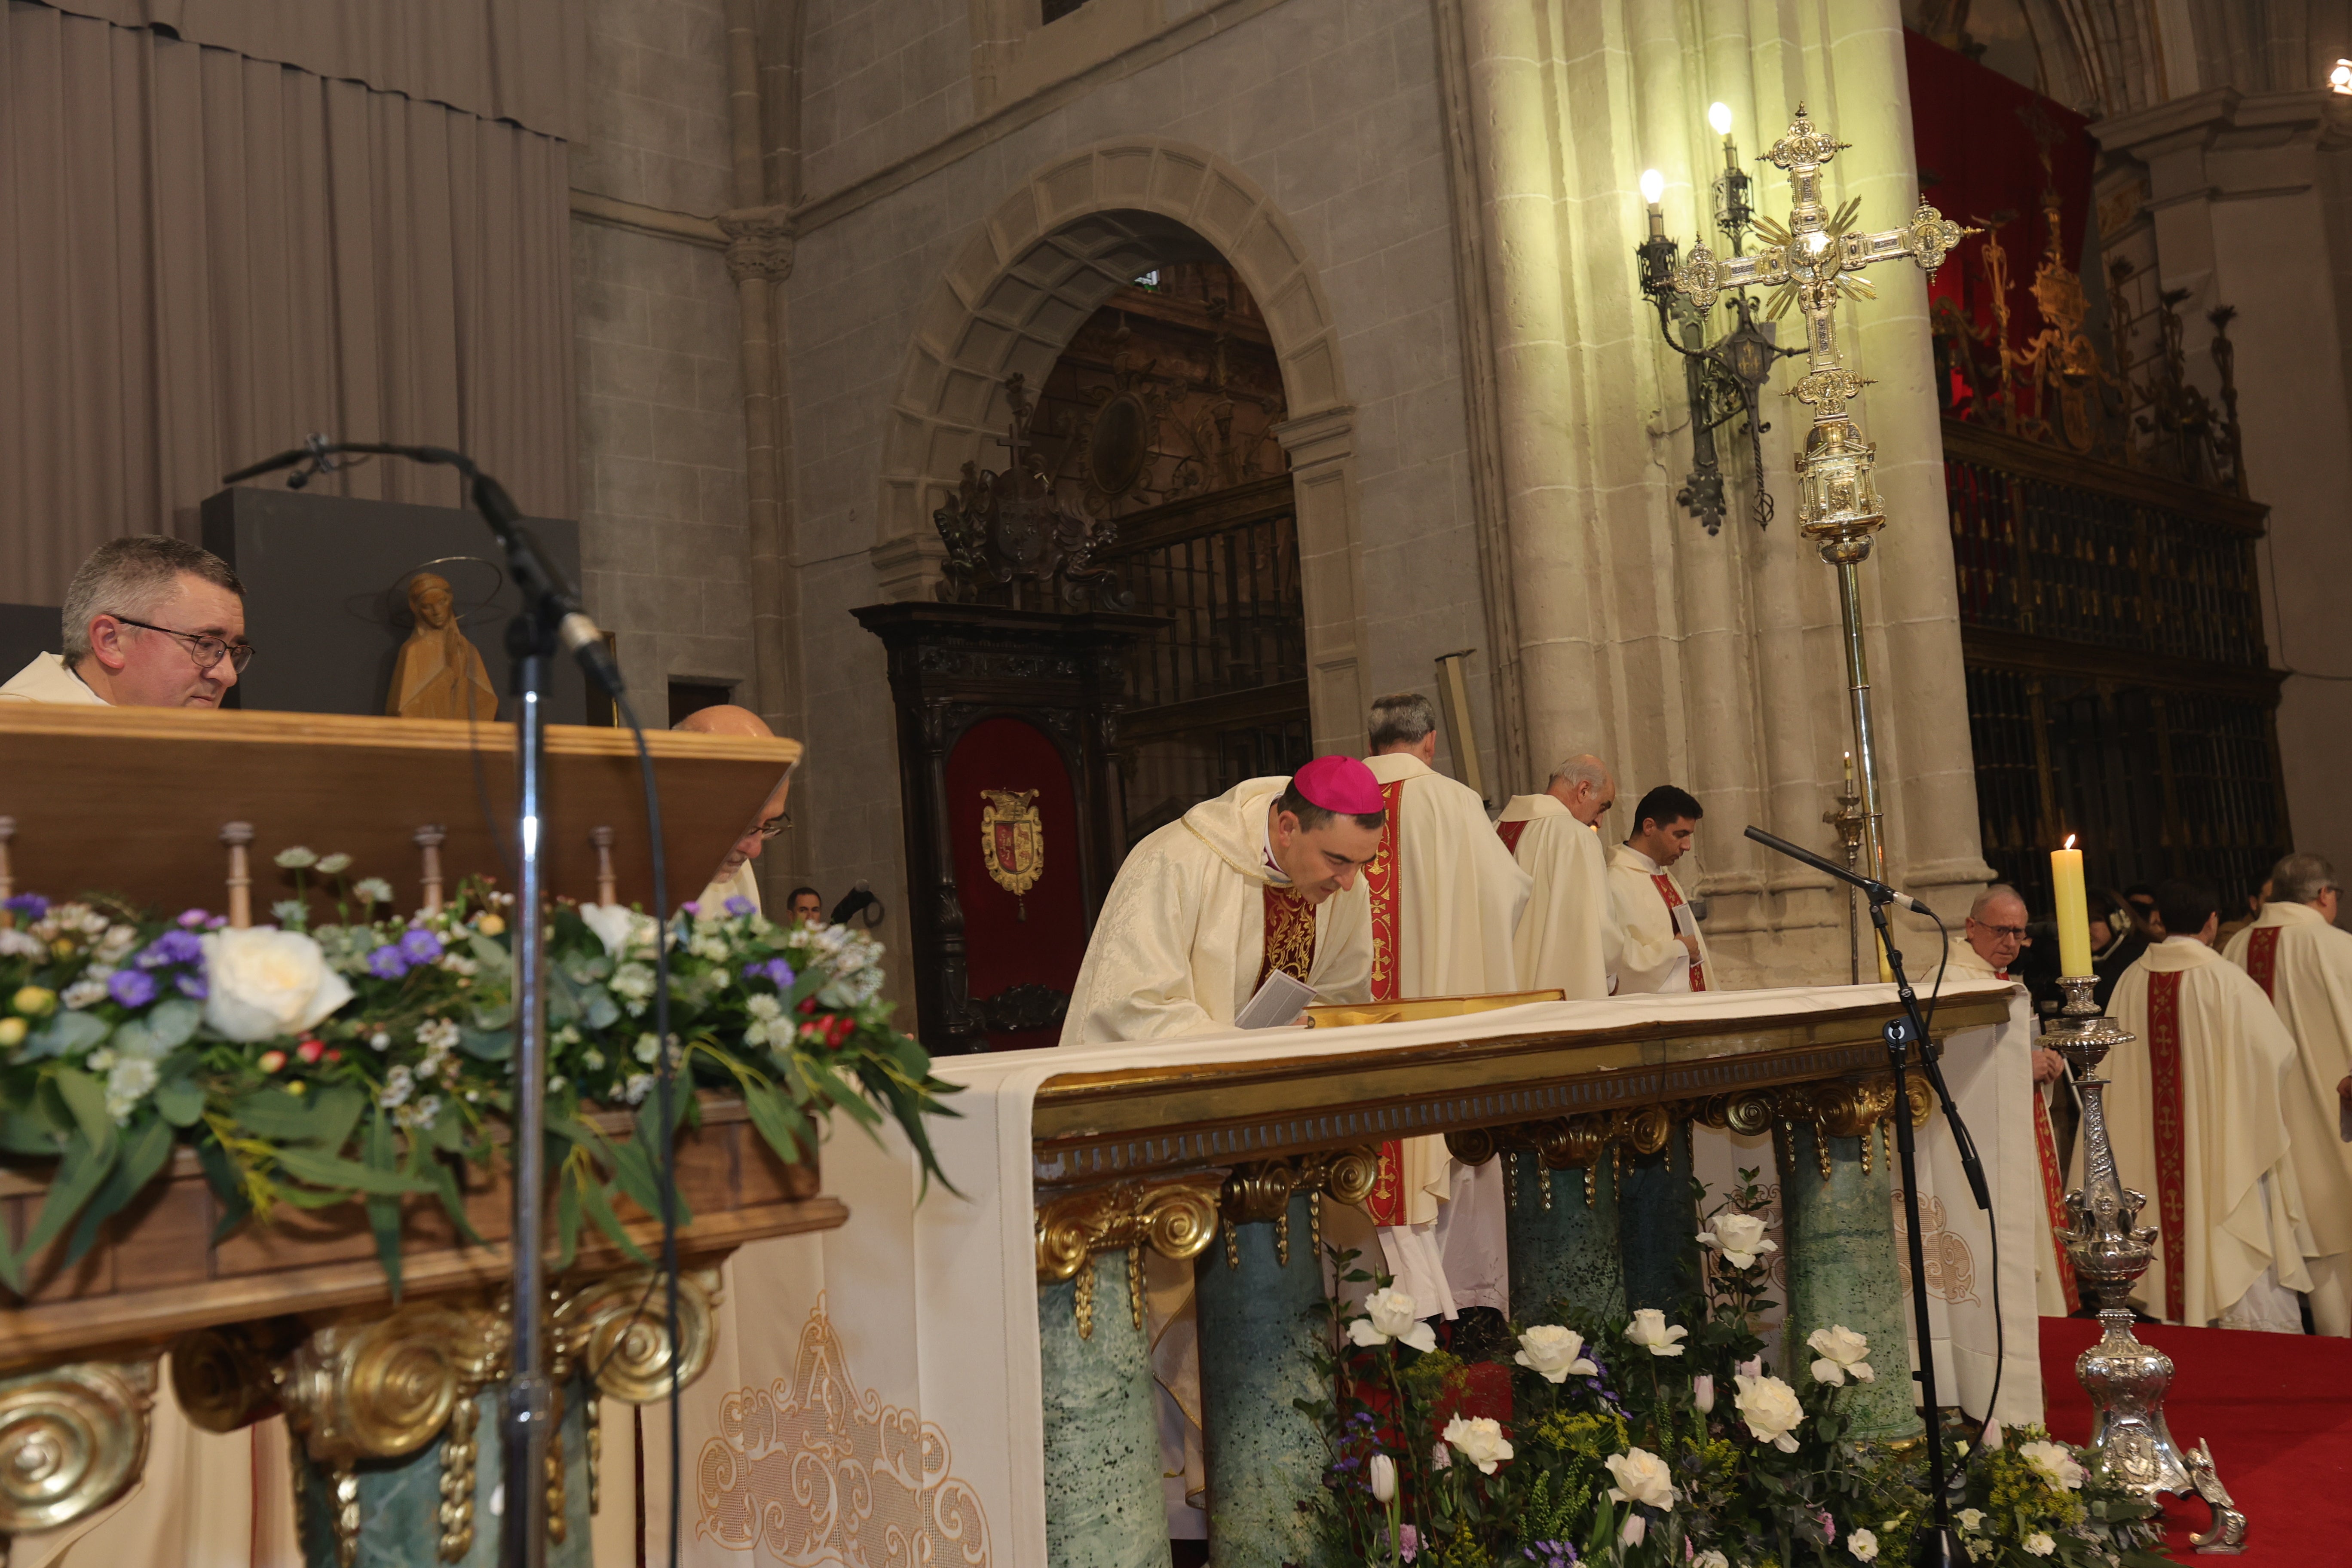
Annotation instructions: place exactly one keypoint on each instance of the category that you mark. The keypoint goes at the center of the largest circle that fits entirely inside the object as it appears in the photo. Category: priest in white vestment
(1655, 943)
(1445, 897)
(2295, 954)
(2194, 1112)
(1554, 837)
(149, 622)
(737, 877)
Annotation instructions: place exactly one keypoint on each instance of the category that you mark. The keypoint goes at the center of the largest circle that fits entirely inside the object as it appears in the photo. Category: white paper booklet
(1278, 1002)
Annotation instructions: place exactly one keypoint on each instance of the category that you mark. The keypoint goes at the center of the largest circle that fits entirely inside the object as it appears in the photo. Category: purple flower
(689, 908)
(739, 905)
(776, 971)
(32, 906)
(172, 947)
(387, 963)
(1408, 1542)
(419, 946)
(217, 923)
(131, 987)
(194, 919)
(193, 986)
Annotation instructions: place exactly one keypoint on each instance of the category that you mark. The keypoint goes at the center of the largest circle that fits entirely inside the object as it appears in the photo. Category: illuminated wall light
(2340, 78)
(1719, 116)
(1653, 186)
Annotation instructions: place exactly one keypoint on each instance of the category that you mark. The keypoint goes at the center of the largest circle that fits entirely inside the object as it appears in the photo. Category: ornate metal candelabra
(1847, 820)
(1812, 263)
(2125, 1379)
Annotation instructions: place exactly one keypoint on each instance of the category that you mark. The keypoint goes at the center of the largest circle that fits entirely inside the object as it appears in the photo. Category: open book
(1278, 1002)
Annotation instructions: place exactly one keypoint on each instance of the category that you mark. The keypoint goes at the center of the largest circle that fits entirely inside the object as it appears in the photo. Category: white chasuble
(1561, 935)
(1179, 945)
(47, 680)
(1445, 897)
(2305, 966)
(1646, 907)
(2194, 1114)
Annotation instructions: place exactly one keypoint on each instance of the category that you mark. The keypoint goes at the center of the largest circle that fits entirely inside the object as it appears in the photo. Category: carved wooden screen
(2118, 680)
(1221, 695)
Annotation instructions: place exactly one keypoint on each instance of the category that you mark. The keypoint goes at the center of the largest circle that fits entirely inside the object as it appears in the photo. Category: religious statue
(439, 673)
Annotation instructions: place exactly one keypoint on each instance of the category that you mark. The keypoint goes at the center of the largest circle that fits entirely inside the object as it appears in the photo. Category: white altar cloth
(884, 1378)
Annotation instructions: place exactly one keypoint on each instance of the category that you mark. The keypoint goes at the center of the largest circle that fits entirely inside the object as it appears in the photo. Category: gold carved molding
(1260, 1192)
(72, 1438)
(1851, 1107)
(1570, 1142)
(1176, 1217)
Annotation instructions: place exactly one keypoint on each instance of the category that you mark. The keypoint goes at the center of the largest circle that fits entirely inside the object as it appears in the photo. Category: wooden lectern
(297, 1316)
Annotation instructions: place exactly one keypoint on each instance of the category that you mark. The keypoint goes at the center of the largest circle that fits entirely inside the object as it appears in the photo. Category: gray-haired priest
(149, 622)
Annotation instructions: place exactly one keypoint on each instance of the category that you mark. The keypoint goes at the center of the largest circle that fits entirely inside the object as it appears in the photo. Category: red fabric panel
(1038, 938)
(1509, 833)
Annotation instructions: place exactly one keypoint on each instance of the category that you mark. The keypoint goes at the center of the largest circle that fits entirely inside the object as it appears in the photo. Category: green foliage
(110, 1057)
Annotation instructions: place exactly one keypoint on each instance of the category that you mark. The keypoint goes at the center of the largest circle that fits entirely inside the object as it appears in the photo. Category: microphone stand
(550, 615)
(1937, 1547)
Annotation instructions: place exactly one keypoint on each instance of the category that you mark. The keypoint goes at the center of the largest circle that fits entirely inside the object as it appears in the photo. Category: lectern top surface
(131, 801)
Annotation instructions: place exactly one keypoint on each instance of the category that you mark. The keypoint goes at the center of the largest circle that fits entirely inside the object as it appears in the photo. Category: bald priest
(1267, 876)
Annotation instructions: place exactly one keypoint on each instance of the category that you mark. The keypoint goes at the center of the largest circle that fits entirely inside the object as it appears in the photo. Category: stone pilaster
(1103, 1507)
(1258, 1297)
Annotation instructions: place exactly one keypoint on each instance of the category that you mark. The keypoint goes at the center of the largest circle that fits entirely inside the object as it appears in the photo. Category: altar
(964, 1376)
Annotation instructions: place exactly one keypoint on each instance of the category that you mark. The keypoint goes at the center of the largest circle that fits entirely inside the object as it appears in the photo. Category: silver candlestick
(2124, 1378)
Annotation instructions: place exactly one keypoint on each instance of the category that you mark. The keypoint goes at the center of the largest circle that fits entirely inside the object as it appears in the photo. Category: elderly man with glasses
(149, 622)
(736, 876)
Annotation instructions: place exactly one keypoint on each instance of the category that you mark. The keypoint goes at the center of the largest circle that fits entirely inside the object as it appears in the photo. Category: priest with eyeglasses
(149, 622)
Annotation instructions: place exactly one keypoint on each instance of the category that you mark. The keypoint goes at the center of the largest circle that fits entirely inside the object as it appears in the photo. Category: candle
(2074, 911)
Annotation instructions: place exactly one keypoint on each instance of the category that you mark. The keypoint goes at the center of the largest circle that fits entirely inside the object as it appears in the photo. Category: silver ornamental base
(2125, 1379)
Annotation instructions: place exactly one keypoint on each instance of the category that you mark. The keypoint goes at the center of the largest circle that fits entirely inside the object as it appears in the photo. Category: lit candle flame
(2069, 841)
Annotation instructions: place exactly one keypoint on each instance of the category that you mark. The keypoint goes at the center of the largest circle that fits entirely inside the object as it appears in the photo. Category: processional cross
(1812, 263)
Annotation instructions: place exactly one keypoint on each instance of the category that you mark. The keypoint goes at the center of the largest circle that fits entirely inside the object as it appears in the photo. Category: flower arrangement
(368, 1057)
(1665, 1442)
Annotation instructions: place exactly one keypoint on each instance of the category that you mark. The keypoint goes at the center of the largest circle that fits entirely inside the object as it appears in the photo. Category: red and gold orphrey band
(1510, 833)
(2171, 1153)
(2045, 1144)
(1674, 897)
(1387, 1202)
(1289, 934)
(2262, 957)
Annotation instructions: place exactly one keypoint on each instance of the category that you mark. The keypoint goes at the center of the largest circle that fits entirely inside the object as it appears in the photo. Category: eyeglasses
(771, 827)
(2014, 933)
(207, 651)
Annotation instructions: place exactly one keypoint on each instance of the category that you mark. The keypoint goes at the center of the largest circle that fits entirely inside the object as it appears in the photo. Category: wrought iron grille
(1221, 695)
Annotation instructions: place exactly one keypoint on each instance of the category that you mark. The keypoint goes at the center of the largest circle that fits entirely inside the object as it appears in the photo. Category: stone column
(1322, 451)
(1836, 1193)
(1658, 1223)
(1103, 1496)
(1565, 1266)
(1259, 1297)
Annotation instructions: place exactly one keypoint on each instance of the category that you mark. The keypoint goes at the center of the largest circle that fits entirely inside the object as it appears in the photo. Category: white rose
(1770, 1409)
(1739, 1238)
(1863, 1545)
(1971, 1518)
(1392, 1317)
(1710, 1558)
(1481, 1442)
(264, 983)
(1650, 1329)
(2056, 1464)
(616, 925)
(1841, 1352)
(1553, 1352)
(1641, 1477)
(2041, 1545)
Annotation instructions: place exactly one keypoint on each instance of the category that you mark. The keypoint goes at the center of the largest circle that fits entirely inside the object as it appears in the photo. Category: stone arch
(1075, 231)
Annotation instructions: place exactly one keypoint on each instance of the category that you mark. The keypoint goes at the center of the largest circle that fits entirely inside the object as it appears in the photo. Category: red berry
(272, 1060)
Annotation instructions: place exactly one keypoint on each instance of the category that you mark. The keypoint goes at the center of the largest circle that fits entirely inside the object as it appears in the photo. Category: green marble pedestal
(400, 1499)
(1657, 1218)
(1842, 1271)
(1564, 1249)
(1104, 1505)
(1259, 1334)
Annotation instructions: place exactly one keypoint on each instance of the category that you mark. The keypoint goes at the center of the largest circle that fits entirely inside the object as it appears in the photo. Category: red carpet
(2277, 1410)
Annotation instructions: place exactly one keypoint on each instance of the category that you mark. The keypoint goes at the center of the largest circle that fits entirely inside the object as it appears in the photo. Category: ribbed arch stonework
(1072, 234)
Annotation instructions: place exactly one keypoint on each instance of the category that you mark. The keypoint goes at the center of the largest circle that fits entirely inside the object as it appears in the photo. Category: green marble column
(1657, 1219)
(400, 1499)
(1104, 1505)
(1258, 1336)
(1564, 1249)
(1841, 1269)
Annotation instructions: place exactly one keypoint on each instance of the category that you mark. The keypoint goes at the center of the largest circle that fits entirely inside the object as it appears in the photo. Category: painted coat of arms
(1011, 838)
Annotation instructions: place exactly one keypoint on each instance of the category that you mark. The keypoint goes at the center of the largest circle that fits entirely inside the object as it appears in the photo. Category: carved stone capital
(71, 1439)
(759, 243)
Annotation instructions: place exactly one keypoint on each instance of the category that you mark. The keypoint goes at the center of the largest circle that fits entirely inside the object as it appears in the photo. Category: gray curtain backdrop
(206, 253)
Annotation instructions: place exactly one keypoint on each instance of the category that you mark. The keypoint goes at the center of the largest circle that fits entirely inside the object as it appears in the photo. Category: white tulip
(1381, 1473)
(1710, 1558)
(1771, 1411)
(1702, 1393)
(1390, 1316)
(1555, 1354)
(1651, 1331)
(1480, 1441)
(1841, 1352)
(1641, 1477)
(263, 983)
(1739, 1238)
(1633, 1530)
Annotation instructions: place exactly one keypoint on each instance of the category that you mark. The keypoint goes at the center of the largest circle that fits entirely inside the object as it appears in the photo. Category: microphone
(1879, 892)
(859, 898)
